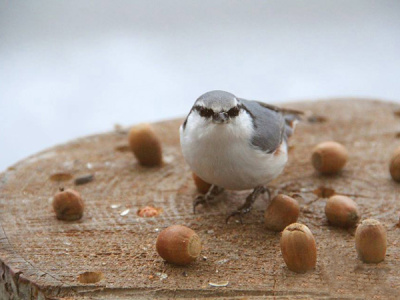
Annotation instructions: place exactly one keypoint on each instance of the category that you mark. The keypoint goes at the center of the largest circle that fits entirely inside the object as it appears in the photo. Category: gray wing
(272, 125)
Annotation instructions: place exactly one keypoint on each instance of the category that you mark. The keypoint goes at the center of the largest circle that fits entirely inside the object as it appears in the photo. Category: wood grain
(42, 257)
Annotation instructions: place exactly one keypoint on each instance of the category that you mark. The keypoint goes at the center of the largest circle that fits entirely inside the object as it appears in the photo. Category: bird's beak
(220, 118)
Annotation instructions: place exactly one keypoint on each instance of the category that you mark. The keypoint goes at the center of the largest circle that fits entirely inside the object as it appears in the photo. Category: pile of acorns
(180, 245)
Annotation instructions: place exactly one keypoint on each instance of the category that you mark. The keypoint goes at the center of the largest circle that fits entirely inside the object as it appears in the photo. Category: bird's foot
(246, 207)
(265, 189)
(208, 197)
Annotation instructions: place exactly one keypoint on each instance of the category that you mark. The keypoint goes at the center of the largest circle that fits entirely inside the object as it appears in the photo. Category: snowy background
(73, 68)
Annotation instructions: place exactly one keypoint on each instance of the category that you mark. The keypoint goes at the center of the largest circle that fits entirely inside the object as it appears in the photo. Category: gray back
(269, 126)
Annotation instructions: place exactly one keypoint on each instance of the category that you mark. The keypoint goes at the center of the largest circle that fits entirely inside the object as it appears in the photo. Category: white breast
(221, 154)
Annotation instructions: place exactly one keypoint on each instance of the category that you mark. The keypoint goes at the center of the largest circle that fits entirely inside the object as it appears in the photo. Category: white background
(72, 68)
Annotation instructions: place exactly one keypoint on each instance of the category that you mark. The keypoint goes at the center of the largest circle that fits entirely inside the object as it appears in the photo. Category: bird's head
(218, 107)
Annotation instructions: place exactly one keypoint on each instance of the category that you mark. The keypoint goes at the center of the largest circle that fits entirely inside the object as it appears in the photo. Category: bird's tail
(291, 121)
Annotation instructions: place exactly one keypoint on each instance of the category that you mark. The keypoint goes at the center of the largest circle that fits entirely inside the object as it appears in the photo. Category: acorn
(342, 211)
(282, 211)
(68, 205)
(298, 248)
(329, 157)
(178, 244)
(371, 241)
(394, 166)
(201, 185)
(145, 145)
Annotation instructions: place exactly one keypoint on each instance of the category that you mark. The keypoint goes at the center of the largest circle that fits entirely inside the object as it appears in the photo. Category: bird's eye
(233, 112)
(206, 112)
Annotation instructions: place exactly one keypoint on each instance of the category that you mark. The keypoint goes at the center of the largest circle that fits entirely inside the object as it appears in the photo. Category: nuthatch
(236, 144)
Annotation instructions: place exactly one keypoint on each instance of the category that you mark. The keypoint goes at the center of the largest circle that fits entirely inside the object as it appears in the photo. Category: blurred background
(73, 68)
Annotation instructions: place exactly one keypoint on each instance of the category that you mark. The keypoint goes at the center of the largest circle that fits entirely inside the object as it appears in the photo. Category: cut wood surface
(42, 257)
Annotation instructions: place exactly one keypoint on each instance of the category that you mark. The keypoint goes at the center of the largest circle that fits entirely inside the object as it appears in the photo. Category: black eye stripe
(205, 112)
(208, 112)
(233, 112)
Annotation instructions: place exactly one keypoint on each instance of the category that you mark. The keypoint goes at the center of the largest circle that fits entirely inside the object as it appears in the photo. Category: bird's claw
(246, 207)
(204, 199)
(238, 212)
(266, 190)
(200, 199)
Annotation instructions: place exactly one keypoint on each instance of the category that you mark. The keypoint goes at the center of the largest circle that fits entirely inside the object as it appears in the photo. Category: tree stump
(110, 253)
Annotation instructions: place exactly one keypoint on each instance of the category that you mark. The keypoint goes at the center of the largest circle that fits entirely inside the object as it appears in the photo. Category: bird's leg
(246, 207)
(268, 191)
(213, 191)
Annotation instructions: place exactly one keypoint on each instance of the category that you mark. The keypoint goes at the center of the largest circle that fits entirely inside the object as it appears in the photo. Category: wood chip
(148, 212)
(125, 212)
(84, 179)
(222, 261)
(219, 284)
(61, 176)
(90, 277)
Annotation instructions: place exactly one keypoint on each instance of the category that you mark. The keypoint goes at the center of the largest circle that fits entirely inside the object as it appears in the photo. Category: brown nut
(145, 145)
(178, 244)
(329, 157)
(371, 241)
(68, 205)
(281, 212)
(298, 248)
(201, 185)
(342, 211)
(394, 166)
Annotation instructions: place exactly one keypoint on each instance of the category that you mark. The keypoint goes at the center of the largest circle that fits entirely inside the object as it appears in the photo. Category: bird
(236, 144)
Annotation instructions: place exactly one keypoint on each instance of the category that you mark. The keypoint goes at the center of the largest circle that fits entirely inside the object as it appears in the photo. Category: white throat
(222, 154)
